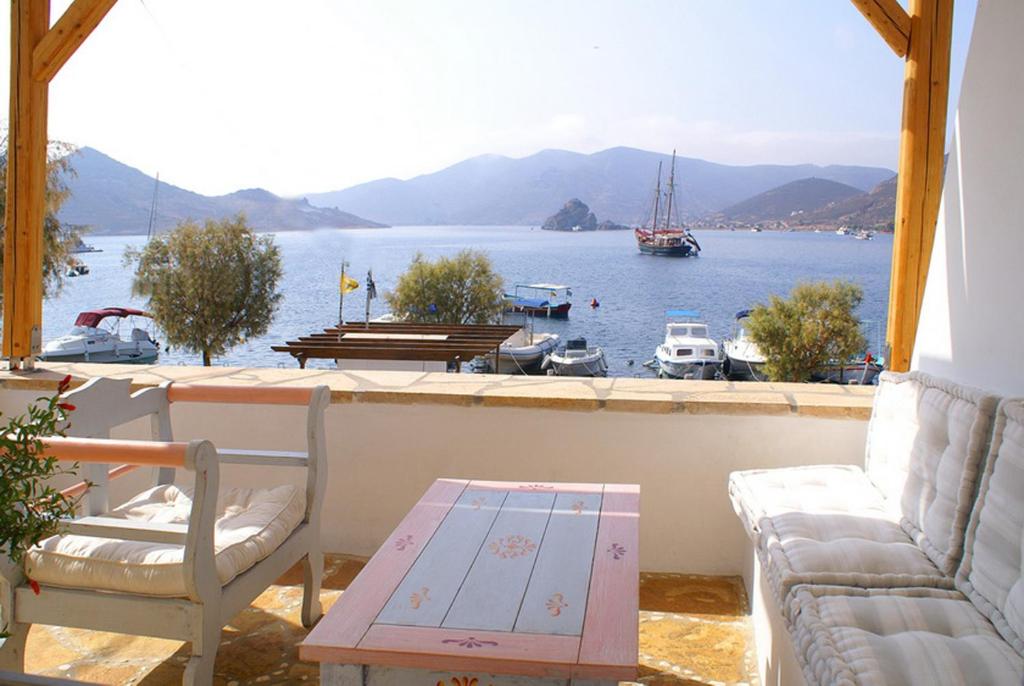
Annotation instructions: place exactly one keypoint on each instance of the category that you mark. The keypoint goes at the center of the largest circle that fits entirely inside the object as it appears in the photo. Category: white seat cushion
(851, 636)
(992, 574)
(251, 524)
(760, 493)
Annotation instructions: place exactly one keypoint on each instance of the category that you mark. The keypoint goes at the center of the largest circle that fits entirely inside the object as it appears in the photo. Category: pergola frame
(923, 36)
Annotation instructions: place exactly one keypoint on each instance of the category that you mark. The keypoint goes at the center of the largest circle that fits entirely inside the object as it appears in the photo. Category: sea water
(736, 270)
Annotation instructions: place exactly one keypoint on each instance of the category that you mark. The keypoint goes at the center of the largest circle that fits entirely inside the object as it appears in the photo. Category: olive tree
(209, 287)
(58, 239)
(463, 289)
(805, 332)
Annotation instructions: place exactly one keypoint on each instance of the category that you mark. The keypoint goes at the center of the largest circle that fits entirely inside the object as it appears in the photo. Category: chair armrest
(127, 530)
(271, 458)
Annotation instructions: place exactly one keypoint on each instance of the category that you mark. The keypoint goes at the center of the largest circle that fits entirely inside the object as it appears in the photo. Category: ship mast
(671, 191)
(657, 200)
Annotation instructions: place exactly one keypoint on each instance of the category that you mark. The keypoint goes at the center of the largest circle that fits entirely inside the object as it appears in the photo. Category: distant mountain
(111, 197)
(875, 209)
(790, 201)
(617, 184)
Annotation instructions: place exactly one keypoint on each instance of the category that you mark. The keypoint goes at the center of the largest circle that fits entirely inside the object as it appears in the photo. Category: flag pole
(341, 298)
(369, 294)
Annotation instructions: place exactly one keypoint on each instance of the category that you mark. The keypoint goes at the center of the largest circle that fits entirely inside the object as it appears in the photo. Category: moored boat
(577, 359)
(857, 372)
(89, 342)
(688, 352)
(549, 300)
(671, 239)
(743, 359)
(524, 352)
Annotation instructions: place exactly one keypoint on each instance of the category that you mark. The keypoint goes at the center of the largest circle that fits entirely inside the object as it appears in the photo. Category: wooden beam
(70, 31)
(890, 20)
(922, 158)
(26, 188)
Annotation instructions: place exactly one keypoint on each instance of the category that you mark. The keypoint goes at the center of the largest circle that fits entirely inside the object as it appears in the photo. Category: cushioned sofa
(908, 571)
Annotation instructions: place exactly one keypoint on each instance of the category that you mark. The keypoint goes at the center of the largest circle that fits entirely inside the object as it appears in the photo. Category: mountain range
(617, 184)
(111, 197)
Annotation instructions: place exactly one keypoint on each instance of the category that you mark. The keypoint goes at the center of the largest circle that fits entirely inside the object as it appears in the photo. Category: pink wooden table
(507, 583)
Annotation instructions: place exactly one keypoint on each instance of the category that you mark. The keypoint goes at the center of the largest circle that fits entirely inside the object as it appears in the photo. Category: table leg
(342, 675)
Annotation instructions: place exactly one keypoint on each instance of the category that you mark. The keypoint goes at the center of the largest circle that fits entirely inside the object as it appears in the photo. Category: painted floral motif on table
(512, 546)
(617, 551)
(404, 542)
(556, 603)
(419, 597)
(471, 642)
(461, 681)
(478, 503)
(536, 487)
(578, 506)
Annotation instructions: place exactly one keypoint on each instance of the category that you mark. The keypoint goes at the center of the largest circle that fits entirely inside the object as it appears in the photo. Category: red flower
(67, 407)
(35, 586)
(64, 383)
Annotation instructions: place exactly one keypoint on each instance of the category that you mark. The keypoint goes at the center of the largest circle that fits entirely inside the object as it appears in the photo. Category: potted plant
(31, 509)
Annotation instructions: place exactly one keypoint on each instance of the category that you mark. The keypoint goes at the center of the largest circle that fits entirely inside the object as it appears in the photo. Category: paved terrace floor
(693, 630)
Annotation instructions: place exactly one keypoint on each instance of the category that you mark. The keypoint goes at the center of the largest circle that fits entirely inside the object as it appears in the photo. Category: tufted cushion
(854, 636)
(926, 440)
(992, 574)
(250, 525)
(760, 493)
(866, 548)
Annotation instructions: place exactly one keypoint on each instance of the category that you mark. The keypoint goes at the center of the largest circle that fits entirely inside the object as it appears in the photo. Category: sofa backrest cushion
(926, 441)
(992, 573)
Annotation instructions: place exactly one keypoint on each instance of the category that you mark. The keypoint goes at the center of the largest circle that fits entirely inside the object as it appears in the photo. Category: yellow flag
(348, 284)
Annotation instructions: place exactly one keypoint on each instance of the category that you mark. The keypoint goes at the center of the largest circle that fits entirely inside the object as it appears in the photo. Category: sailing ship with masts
(666, 235)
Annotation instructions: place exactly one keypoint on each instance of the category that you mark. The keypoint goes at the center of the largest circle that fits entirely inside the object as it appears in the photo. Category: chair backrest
(102, 404)
(926, 441)
(992, 573)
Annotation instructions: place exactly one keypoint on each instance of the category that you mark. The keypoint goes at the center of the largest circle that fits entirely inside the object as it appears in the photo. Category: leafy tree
(58, 239)
(210, 287)
(811, 328)
(463, 289)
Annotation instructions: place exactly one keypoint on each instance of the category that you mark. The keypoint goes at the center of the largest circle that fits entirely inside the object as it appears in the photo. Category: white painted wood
(343, 675)
(556, 597)
(493, 590)
(427, 591)
(396, 676)
(127, 529)
(33, 680)
(275, 458)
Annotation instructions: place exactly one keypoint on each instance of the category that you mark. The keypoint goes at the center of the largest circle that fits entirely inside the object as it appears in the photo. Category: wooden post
(922, 156)
(26, 188)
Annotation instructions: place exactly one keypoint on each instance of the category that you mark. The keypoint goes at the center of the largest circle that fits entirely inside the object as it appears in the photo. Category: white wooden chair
(193, 601)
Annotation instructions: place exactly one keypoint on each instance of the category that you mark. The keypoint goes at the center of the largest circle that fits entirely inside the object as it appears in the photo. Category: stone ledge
(655, 396)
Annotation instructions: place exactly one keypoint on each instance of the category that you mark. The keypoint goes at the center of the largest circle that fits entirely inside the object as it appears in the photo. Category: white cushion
(926, 442)
(992, 574)
(852, 636)
(251, 524)
(760, 493)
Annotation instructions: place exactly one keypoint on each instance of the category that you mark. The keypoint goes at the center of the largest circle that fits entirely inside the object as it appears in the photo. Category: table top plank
(358, 606)
(611, 626)
(493, 589)
(428, 590)
(556, 597)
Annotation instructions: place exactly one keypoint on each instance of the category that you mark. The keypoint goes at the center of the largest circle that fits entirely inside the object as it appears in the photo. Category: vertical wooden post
(26, 188)
(922, 157)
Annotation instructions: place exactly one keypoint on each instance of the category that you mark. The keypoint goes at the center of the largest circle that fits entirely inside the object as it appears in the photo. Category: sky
(318, 95)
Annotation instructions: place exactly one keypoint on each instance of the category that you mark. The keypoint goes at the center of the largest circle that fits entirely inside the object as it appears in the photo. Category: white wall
(383, 456)
(972, 322)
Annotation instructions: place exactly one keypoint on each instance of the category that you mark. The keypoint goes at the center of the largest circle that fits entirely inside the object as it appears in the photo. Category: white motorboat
(743, 359)
(688, 352)
(524, 352)
(90, 342)
(577, 359)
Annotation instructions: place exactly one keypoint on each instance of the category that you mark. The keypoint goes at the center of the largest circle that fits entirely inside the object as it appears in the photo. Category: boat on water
(549, 300)
(864, 235)
(524, 352)
(743, 359)
(576, 359)
(77, 268)
(82, 246)
(688, 352)
(856, 372)
(842, 231)
(666, 237)
(88, 341)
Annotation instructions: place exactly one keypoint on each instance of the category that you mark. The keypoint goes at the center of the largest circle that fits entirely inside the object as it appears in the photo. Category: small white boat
(743, 359)
(576, 360)
(89, 342)
(77, 268)
(524, 352)
(688, 352)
